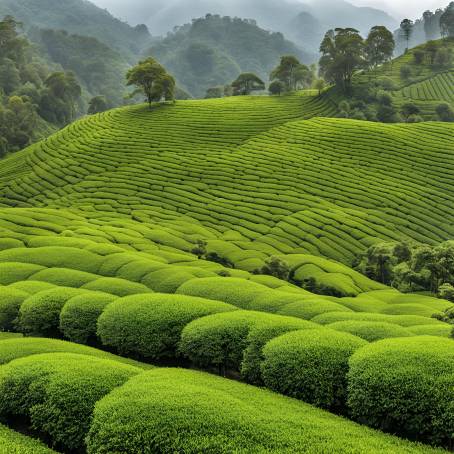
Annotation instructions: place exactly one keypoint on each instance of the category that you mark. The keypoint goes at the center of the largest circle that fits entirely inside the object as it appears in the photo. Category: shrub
(116, 286)
(171, 410)
(310, 365)
(39, 315)
(26, 346)
(15, 443)
(79, 316)
(58, 392)
(371, 331)
(238, 292)
(10, 301)
(310, 308)
(150, 325)
(257, 339)
(432, 330)
(405, 386)
(219, 340)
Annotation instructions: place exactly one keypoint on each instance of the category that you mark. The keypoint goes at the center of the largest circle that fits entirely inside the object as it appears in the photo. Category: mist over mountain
(278, 15)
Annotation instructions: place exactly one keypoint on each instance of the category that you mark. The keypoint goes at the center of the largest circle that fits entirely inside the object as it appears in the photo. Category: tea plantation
(133, 314)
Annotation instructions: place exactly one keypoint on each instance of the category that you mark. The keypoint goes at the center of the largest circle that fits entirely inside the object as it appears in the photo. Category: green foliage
(58, 392)
(310, 365)
(39, 314)
(170, 410)
(246, 83)
(10, 302)
(379, 46)
(13, 442)
(219, 340)
(211, 51)
(343, 52)
(79, 316)
(292, 73)
(258, 337)
(405, 386)
(152, 80)
(14, 348)
(276, 88)
(97, 104)
(406, 29)
(150, 325)
(370, 331)
(445, 112)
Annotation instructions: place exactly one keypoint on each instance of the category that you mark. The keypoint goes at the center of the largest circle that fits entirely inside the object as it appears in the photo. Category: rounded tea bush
(12, 442)
(371, 331)
(58, 392)
(219, 340)
(39, 314)
(181, 411)
(405, 386)
(79, 316)
(10, 302)
(310, 365)
(258, 338)
(150, 325)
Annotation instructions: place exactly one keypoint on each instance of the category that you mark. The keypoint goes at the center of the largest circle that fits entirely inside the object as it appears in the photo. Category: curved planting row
(326, 187)
(88, 404)
(293, 356)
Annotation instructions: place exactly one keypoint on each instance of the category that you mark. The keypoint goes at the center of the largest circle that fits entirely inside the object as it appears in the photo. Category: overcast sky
(403, 8)
(398, 8)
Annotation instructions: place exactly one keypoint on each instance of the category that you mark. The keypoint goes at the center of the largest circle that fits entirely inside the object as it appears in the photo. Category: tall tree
(447, 21)
(406, 29)
(380, 46)
(152, 80)
(246, 83)
(343, 53)
(292, 73)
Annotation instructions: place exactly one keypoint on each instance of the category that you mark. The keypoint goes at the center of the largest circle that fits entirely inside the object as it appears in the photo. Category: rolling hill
(101, 231)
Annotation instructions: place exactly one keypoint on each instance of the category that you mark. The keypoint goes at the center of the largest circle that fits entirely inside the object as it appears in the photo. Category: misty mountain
(214, 50)
(277, 15)
(79, 17)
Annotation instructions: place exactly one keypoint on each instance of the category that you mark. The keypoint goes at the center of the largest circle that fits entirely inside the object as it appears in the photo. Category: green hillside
(145, 233)
(424, 76)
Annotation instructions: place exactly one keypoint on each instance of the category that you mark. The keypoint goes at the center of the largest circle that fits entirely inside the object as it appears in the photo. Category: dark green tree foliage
(431, 25)
(292, 73)
(274, 266)
(276, 88)
(408, 109)
(246, 83)
(447, 21)
(100, 69)
(97, 104)
(406, 30)
(151, 79)
(445, 112)
(379, 46)
(213, 50)
(343, 53)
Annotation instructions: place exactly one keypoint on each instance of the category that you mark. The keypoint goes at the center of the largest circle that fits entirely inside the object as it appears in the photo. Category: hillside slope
(326, 187)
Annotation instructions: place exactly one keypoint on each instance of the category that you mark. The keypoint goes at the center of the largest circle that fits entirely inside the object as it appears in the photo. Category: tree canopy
(152, 80)
(246, 83)
(292, 73)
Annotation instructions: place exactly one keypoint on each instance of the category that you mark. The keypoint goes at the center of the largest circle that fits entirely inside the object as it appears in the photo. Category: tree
(445, 112)
(274, 266)
(276, 88)
(152, 80)
(12, 45)
(214, 92)
(380, 46)
(447, 21)
(406, 29)
(343, 53)
(97, 104)
(408, 109)
(320, 85)
(431, 25)
(292, 73)
(246, 83)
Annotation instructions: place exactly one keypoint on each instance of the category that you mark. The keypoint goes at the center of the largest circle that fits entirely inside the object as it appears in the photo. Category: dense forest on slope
(214, 50)
(82, 18)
